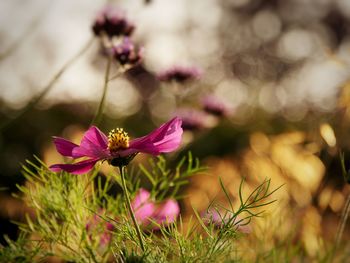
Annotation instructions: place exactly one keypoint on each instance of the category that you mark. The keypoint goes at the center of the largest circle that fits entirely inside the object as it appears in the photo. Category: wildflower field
(175, 131)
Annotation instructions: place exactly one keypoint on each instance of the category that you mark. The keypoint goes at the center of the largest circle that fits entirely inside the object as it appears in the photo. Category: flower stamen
(118, 139)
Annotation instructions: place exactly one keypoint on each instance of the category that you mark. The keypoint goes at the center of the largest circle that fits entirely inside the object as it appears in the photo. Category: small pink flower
(180, 74)
(126, 53)
(147, 210)
(116, 148)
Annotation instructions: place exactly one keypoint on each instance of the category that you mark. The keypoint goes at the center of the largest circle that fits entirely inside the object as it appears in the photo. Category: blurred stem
(128, 203)
(344, 172)
(341, 226)
(97, 119)
(49, 86)
(33, 25)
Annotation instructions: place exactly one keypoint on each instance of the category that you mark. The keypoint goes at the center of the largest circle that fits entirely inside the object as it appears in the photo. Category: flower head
(117, 148)
(147, 210)
(112, 22)
(180, 74)
(126, 53)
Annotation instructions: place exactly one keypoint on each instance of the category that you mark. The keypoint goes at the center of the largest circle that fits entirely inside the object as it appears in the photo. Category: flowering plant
(85, 219)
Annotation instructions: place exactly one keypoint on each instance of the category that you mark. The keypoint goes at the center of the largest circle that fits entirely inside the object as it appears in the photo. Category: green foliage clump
(84, 219)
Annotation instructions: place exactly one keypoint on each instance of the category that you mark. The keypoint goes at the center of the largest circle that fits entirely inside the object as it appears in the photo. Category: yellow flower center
(118, 139)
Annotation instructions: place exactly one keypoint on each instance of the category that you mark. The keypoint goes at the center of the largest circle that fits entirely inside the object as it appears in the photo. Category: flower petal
(166, 138)
(76, 168)
(94, 136)
(94, 144)
(64, 147)
(141, 198)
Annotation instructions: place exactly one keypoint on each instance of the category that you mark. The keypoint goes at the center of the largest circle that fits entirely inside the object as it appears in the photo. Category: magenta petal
(76, 168)
(143, 207)
(94, 144)
(166, 138)
(167, 212)
(94, 136)
(64, 146)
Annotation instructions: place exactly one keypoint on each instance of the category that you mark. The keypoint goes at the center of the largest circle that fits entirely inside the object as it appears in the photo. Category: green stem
(128, 203)
(341, 226)
(98, 115)
(49, 86)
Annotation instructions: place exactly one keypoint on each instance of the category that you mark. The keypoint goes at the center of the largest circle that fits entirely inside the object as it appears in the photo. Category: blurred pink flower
(167, 211)
(116, 148)
(193, 119)
(216, 106)
(147, 210)
(104, 228)
(143, 207)
(180, 74)
(112, 21)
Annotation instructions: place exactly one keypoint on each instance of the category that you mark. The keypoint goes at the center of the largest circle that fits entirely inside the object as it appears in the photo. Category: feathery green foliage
(76, 218)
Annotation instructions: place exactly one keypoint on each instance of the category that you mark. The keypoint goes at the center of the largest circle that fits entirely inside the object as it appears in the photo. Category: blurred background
(280, 69)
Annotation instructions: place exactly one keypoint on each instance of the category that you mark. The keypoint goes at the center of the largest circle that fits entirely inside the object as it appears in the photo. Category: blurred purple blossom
(104, 228)
(116, 148)
(180, 74)
(146, 210)
(126, 53)
(216, 106)
(112, 21)
(193, 119)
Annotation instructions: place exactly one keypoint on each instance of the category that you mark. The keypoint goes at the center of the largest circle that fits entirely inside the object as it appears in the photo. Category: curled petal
(166, 138)
(76, 168)
(94, 136)
(94, 144)
(64, 147)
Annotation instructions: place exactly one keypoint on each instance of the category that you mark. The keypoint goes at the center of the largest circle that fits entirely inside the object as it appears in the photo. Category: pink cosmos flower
(147, 210)
(116, 148)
